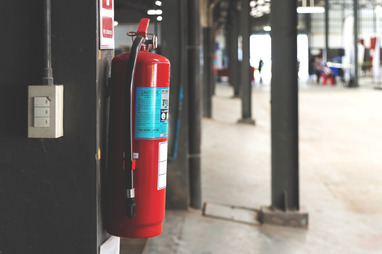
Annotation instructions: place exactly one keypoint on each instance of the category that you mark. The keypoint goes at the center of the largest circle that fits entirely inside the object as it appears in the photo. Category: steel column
(355, 13)
(174, 33)
(284, 110)
(194, 96)
(326, 29)
(246, 95)
(208, 72)
(233, 62)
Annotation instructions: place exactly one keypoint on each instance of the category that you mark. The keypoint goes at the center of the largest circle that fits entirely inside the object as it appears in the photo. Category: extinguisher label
(151, 118)
(162, 165)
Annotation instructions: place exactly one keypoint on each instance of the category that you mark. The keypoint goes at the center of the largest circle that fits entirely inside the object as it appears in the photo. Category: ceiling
(131, 11)
(136, 5)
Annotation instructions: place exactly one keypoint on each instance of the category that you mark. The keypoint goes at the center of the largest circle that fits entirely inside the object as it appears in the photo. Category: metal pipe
(47, 77)
(194, 100)
(284, 106)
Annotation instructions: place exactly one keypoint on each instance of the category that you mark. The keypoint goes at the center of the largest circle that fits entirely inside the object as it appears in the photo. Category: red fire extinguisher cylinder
(138, 152)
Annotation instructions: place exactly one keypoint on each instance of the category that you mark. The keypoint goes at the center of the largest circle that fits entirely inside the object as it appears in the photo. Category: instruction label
(162, 165)
(151, 118)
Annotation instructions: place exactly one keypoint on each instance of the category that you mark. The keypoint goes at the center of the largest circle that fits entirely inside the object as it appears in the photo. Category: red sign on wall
(107, 4)
(107, 27)
(106, 24)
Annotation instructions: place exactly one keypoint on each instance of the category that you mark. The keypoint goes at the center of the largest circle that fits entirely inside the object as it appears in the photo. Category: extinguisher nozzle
(130, 207)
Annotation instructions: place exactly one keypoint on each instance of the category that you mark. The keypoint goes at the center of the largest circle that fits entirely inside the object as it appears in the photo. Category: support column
(246, 95)
(194, 97)
(285, 207)
(326, 29)
(174, 33)
(355, 13)
(233, 62)
(207, 71)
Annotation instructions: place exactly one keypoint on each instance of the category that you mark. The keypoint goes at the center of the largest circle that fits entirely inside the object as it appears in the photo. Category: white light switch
(41, 102)
(41, 112)
(41, 122)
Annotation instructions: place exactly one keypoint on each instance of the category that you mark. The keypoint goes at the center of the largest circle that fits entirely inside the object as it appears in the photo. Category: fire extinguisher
(139, 104)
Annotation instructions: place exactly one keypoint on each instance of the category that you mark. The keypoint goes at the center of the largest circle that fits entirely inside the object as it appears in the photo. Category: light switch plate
(41, 112)
(45, 111)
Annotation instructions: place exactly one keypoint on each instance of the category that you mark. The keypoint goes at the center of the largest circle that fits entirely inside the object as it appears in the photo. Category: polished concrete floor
(340, 176)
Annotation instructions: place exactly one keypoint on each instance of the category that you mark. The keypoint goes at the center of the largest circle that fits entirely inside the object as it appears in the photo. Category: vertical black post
(233, 62)
(326, 29)
(285, 206)
(308, 22)
(194, 96)
(284, 110)
(208, 73)
(213, 77)
(355, 13)
(173, 46)
(246, 95)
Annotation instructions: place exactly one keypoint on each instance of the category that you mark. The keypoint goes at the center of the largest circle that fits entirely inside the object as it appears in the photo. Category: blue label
(151, 112)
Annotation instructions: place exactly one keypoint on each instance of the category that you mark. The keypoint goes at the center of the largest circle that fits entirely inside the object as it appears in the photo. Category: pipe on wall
(47, 77)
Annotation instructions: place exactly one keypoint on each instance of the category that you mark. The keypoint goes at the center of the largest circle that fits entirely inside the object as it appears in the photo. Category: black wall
(50, 189)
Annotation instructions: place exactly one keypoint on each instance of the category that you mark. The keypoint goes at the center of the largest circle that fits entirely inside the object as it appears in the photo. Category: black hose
(128, 141)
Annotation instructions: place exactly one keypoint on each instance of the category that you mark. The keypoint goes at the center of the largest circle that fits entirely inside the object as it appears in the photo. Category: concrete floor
(340, 177)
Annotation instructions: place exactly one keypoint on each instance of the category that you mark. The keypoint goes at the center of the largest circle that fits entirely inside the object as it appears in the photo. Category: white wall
(318, 41)
(367, 27)
(335, 40)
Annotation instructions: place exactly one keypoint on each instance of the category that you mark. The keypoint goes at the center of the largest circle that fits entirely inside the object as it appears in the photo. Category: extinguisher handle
(142, 28)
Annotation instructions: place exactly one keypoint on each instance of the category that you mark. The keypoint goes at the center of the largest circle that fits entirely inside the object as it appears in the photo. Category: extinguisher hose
(128, 122)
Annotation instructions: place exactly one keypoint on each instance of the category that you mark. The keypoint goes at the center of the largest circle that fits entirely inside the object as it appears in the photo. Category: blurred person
(317, 68)
(261, 63)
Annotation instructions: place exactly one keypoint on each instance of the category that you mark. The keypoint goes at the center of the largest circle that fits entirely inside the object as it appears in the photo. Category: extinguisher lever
(142, 28)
